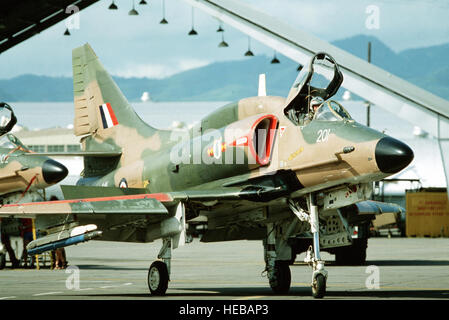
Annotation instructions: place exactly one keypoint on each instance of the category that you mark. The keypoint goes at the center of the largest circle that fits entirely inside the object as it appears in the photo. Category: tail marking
(108, 116)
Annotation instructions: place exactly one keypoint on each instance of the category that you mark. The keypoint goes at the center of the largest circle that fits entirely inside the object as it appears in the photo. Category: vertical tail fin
(99, 103)
(262, 91)
(103, 116)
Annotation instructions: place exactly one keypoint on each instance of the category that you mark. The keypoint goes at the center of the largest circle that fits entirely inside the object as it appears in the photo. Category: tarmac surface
(407, 268)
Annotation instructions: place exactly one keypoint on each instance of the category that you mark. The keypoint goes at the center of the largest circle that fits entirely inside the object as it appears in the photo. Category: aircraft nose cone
(53, 171)
(392, 155)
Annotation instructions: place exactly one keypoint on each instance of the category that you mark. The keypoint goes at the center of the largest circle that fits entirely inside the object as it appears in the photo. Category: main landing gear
(159, 272)
(278, 255)
(278, 271)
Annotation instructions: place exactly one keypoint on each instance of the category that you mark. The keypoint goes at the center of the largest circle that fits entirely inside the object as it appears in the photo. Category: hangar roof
(20, 20)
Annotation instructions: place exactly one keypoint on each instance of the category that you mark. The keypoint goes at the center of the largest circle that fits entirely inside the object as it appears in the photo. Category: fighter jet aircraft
(22, 177)
(262, 168)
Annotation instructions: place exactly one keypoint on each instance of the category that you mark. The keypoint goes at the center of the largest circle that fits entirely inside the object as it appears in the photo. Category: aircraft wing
(143, 204)
(98, 154)
(116, 201)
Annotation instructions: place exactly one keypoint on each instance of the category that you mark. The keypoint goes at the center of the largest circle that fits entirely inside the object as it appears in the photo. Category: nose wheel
(319, 286)
(319, 276)
(313, 257)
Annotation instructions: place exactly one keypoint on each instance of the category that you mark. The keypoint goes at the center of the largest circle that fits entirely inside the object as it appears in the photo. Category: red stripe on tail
(112, 114)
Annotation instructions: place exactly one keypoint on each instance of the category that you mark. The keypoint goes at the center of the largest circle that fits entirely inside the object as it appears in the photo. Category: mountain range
(233, 80)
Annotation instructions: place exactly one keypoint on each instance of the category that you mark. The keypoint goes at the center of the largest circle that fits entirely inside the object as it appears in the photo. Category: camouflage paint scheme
(237, 200)
(20, 172)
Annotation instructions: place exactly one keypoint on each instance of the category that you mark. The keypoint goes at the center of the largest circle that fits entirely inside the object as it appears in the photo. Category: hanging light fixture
(142, 2)
(193, 32)
(220, 29)
(249, 53)
(223, 44)
(133, 11)
(275, 60)
(67, 32)
(163, 21)
(113, 6)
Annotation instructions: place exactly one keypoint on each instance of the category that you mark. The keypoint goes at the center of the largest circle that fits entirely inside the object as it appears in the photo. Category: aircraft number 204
(323, 135)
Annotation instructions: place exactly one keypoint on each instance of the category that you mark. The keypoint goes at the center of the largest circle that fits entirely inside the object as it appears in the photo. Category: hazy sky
(140, 46)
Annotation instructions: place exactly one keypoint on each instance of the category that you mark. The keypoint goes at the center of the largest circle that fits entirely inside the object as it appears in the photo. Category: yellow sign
(427, 214)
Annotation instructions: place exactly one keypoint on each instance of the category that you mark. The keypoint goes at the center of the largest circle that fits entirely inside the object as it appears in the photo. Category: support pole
(368, 104)
(33, 225)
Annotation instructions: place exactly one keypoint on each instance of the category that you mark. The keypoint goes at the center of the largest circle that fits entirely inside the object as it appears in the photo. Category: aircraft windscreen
(6, 143)
(331, 111)
(10, 141)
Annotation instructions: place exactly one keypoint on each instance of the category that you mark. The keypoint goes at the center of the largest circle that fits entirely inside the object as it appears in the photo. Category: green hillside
(233, 80)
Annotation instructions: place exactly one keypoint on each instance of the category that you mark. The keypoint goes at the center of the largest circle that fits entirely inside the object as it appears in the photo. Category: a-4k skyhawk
(21, 177)
(263, 168)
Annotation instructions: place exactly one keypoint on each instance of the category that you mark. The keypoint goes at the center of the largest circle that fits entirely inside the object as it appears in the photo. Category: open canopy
(307, 85)
(7, 118)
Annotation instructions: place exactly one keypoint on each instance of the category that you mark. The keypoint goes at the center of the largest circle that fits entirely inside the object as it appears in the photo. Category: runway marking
(83, 281)
(414, 288)
(116, 286)
(46, 293)
(85, 289)
(250, 298)
(12, 297)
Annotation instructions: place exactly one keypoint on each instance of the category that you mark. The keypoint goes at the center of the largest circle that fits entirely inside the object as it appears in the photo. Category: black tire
(353, 255)
(2, 261)
(158, 278)
(283, 277)
(319, 286)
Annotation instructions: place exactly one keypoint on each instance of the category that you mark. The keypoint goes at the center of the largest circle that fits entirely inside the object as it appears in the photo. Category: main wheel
(2, 261)
(158, 278)
(283, 277)
(319, 286)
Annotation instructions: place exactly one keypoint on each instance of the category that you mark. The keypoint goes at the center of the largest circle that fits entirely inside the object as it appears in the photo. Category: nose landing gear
(319, 276)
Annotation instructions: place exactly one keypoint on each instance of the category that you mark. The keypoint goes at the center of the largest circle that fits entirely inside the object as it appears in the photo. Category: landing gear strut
(159, 272)
(313, 257)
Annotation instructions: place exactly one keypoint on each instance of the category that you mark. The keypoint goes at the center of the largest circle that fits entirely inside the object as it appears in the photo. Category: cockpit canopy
(331, 111)
(7, 118)
(306, 86)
